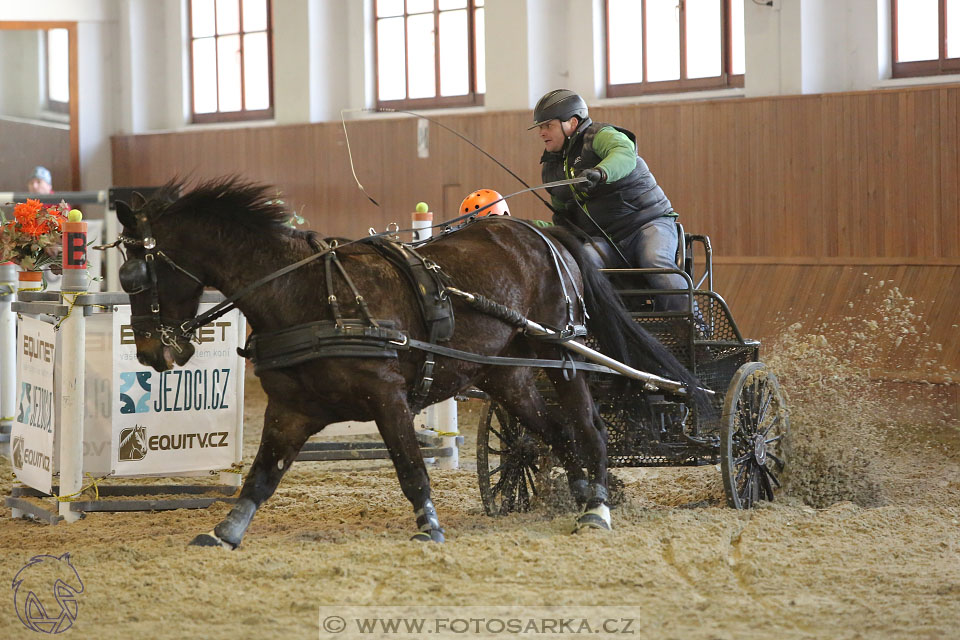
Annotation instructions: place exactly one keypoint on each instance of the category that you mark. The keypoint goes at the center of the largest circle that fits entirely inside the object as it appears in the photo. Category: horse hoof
(596, 518)
(433, 535)
(210, 540)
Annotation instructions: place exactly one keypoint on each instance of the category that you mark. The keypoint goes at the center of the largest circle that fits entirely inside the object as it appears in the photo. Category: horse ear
(138, 201)
(125, 215)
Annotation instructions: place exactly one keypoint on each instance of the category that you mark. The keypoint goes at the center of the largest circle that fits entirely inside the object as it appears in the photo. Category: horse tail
(618, 335)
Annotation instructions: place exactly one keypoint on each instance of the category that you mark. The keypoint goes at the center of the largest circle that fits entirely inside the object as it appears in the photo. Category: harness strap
(429, 286)
(352, 338)
(558, 263)
(331, 298)
(322, 339)
(353, 289)
(228, 304)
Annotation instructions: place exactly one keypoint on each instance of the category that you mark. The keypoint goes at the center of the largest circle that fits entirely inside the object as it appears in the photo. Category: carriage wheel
(508, 460)
(753, 437)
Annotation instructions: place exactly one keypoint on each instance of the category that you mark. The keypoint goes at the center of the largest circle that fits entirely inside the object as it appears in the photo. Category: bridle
(139, 275)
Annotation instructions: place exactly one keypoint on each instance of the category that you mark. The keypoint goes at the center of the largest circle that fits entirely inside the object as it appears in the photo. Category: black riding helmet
(559, 104)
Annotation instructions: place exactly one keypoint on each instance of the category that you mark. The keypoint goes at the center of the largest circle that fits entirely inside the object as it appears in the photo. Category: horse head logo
(45, 593)
(18, 453)
(133, 443)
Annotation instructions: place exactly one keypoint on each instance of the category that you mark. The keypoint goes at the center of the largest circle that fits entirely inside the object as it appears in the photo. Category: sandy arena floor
(866, 544)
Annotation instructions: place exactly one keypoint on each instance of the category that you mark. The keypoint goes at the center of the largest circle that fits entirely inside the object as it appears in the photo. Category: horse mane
(230, 200)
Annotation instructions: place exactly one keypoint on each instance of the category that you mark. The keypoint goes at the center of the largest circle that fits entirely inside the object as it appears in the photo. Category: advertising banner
(180, 420)
(32, 433)
(98, 410)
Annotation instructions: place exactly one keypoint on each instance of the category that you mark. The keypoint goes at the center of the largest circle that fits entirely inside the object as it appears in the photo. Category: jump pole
(440, 417)
(8, 349)
(74, 343)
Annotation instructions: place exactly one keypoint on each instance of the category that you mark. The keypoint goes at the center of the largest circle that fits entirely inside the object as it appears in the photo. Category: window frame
(916, 68)
(243, 114)
(472, 98)
(725, 80)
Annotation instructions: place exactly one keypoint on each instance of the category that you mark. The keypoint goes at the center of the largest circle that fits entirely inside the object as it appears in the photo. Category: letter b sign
(75, 250)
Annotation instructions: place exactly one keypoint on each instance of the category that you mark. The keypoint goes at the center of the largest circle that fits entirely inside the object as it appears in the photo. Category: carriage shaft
(653, 382)
(531, 328)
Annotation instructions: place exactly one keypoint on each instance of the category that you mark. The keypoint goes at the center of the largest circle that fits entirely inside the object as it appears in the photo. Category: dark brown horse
(227, 234)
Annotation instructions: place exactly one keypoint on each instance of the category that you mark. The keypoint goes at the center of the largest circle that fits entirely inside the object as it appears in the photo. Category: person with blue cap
(40, 181)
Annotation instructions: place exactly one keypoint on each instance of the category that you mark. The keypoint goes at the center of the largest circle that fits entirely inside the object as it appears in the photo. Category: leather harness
(368, 337)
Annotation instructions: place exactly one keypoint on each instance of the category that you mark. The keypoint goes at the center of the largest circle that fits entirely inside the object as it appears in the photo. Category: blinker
(134, 276)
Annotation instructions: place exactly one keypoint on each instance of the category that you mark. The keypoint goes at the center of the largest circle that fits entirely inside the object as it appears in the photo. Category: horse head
(164, 293)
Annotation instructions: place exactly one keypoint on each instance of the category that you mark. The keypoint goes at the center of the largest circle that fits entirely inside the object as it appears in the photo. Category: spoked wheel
(753, 437)
(508, 460)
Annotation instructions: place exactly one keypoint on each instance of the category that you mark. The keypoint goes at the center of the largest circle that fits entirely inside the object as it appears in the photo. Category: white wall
(21, 93)
(98, 119)
(816, 46)
(507, 44)
(144, 72)
(311, 77)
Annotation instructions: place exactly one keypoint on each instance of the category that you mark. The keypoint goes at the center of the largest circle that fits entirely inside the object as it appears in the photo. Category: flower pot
(30, 280)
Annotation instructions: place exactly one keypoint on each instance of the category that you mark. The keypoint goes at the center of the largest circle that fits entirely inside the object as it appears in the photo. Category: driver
(622, 197)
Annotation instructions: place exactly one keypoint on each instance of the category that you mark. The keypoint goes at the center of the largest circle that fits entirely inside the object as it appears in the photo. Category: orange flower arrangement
(32, 238)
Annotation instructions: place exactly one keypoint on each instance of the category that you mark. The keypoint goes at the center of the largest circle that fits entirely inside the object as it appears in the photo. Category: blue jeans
(654, 245)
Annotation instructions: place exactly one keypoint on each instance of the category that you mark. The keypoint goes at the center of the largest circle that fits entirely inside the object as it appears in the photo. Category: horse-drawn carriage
(746, 436)
(365, 331)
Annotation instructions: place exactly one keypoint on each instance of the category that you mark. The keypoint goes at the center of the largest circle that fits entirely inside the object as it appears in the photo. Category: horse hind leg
(284, 433)
(395, 423)
(578, 404)
(516, 391)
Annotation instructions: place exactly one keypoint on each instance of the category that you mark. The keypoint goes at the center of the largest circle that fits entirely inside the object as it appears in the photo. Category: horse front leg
(284, 433)
(395, 422)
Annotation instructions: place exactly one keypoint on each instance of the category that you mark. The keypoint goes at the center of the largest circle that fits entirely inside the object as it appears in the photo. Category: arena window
(430, 53)
(921, 46)
(57, 52)
(230, 60)
(664, 46)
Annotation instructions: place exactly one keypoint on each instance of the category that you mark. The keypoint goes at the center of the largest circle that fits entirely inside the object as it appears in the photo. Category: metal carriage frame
(747, 437)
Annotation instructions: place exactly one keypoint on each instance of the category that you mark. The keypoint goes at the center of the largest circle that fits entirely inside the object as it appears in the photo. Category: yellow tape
(70, 310)
(96, 491)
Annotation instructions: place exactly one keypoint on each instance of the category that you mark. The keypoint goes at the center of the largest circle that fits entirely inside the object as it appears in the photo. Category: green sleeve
(618, 152)
(557, 203)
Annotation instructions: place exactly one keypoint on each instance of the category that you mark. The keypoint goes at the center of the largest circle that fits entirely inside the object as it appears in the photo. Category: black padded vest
(621, 207)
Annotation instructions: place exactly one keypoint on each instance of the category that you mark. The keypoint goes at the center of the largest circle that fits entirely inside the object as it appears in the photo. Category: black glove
(596, 177)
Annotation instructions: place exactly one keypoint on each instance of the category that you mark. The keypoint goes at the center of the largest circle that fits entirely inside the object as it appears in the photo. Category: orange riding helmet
(482, 197)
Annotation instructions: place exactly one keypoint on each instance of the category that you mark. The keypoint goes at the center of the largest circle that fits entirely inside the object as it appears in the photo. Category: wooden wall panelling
(836, 165)
(766, 298)
(949, 178)
(923, 238)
